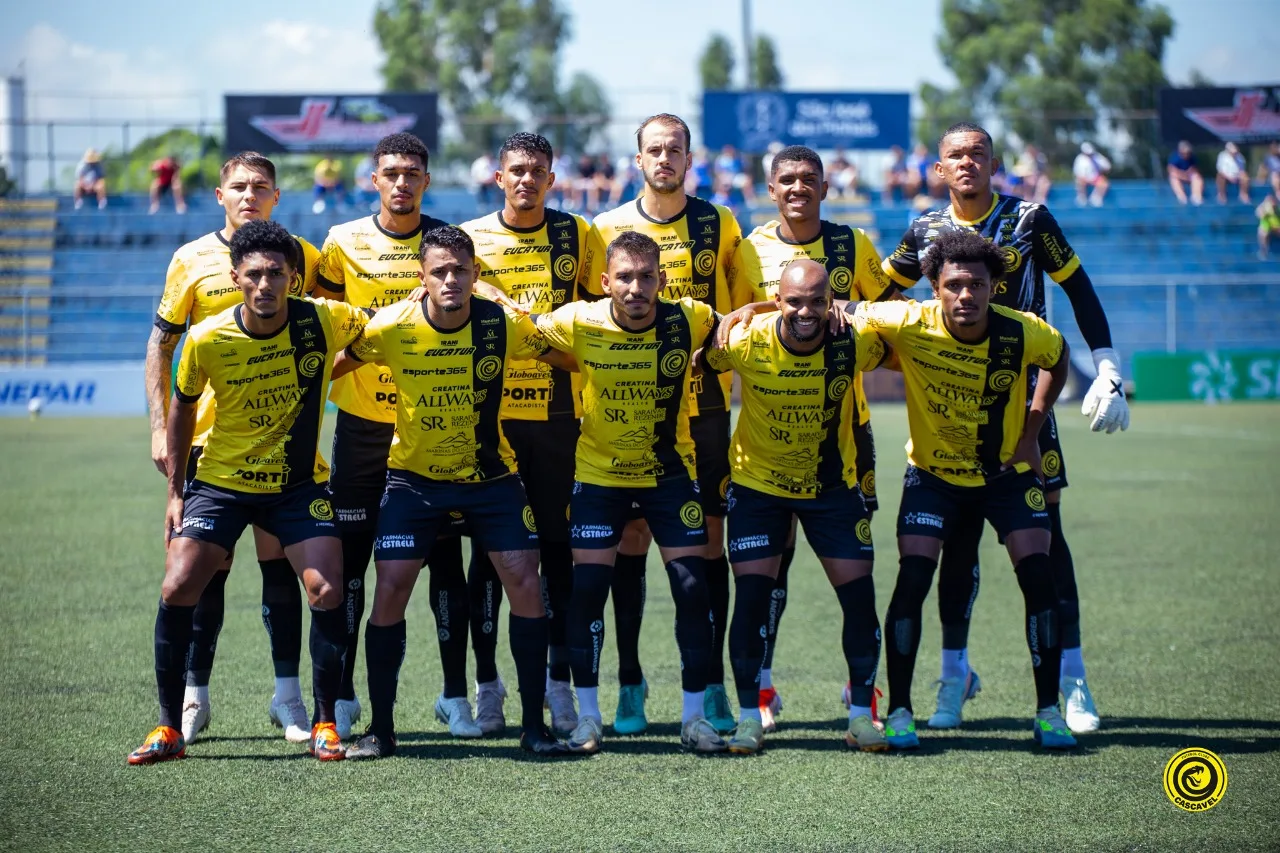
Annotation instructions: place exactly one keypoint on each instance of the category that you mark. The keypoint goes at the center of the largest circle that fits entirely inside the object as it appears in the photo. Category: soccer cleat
(347, 714)
(715, 705)
(371, 746)
(325, 743)
(748, 737)
(587, 736)
(952, 694)
(489, 701)
(630, 718)
(456, 714)
(163, 744)
(863, 734)
(900, 730)
(195, 719)
(770, 707)
(291, 715)
(1051, 730)
(1082, 714)
(564, 714)
(542, 743)
(698, 735)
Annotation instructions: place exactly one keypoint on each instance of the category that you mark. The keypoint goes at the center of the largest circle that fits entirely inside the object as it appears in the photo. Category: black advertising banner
(1246, 115)
(326, 123)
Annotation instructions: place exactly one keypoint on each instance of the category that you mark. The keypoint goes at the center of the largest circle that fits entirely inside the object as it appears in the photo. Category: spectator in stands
(562, 167)
(697, 180)
(896, 175)
(167, 180)
(1232, 169)
(1182, 170)
(766, 159)
(328, 183)
(604, 179)
(1268, 224)
(366, 194)
(587, 191)
(1090, 171)
(626, 181)
(731, 166)
(1269, 170)
(919, 165)
(1032, 170)
(843, 175)
(91, 178)
(483, 181)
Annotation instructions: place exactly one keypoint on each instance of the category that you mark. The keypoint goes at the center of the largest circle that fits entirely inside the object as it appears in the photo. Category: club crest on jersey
(838, 387)
(705, 262)
(488, 367)
(566, 267)
(1002, 380)
(1012, 258)
(691, 515)
(841, 278)
(309, 365)
(321, 510)
(674, 363)
(1035, 498)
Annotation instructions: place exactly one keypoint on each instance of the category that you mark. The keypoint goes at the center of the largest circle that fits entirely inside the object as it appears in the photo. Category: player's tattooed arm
(158, 370)
(180, 431)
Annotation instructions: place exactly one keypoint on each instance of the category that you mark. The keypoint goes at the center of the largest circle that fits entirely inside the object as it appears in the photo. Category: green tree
(1047, 70)
(199, 159)
(765, 73)
(715, 66)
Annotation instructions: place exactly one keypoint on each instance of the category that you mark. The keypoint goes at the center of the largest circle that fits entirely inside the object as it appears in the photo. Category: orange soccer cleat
(164, 743)
(325, 743)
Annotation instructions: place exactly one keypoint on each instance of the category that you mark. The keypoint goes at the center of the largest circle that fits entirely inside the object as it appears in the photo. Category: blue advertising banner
(749, 121)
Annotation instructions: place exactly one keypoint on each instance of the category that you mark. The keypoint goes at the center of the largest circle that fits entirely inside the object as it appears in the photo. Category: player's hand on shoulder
(1104, 403)
(745, 314)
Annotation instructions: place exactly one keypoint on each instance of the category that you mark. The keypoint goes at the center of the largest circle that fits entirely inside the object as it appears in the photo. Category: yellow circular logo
(321, 510)
(724, 488)
(1035, 498)
(309, 365)
(1195, 780)
(838, 387)
(841, 278)
(528, 520)
(691, 514)
(674, 363)
(1051, 463)
(1002, 380)
(863, 530)
(1012, 258)
(868, 484)
(488, 367)
(566, 267)
(453, 513)
(705, 262)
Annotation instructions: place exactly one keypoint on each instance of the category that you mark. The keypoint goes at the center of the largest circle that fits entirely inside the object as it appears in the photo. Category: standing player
(267, 363)
(1032, 244)
(972, 455)
(798, 187)
(199, 285)
(697, 240)
(374, 261)
(533, 256)
(795, 454)
(634, 351)
(448, 356)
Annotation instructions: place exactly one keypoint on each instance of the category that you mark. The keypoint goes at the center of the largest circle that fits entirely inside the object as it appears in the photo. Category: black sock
(860, 638)
(557, 589)
(777, 605)
(902, 622)
(328, 648)
(629, 591)
(528, 638)
(172, 641)
(1035, 577)
(448, 592)
(718, 596)
(688, 576)
(958, 583)
(383, 657)
(586, 622)
(206, 625)
(357, 550)
(484, 592)
(748, 640)
(282, 615)
(1064, 580)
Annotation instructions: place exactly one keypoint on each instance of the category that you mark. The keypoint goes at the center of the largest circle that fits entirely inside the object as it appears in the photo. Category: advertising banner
(78, 390)
(1245, 115)
(749, 121)
(327, 123)
(1211, 377)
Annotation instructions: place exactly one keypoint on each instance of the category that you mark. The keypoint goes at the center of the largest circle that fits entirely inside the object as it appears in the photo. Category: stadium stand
(26, 259)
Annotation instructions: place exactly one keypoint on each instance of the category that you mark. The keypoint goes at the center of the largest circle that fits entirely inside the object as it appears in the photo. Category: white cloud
(293, 56)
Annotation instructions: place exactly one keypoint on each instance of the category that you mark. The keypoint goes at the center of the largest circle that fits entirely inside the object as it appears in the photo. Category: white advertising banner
(87, 389)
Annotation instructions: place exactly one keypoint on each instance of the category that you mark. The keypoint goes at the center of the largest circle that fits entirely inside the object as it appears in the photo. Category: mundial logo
(334, 123)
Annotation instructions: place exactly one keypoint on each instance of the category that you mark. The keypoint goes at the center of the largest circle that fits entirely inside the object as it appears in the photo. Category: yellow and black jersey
(198, 285)
(1026, 233)
(373, 267)
(450, 386)
(635, 401)
(966, 403)
(794, 435)
(697, 252)
(852, 262)
(538, 269)
(268, 392)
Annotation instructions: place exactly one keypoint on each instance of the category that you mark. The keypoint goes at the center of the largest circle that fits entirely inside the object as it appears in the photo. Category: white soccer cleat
(291, 715)
(456, 714)
(1082, 714)
(952, 694)
(195, 719)
(564, 711)
(587, 736)
(346, 713)
(490, 716)
(698, 735)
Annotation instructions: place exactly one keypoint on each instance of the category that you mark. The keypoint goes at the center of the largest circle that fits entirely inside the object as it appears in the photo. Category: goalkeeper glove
(1104, 404)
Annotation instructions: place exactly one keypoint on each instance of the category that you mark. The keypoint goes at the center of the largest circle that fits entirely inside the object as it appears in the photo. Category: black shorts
(214, 514)
(933, 507)
(710, 434)
(864, 443)
(544, 456)
(1055, 469)
(358, 475)
(193, 460)
(597, 514)
(416, 510)
(836, 524)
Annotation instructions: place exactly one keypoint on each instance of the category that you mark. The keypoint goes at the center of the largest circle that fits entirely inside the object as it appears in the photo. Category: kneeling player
(267, 362)
(973, 445)
(794, 454)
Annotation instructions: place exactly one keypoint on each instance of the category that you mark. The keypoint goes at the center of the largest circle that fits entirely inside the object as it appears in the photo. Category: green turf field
(1177, 543)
